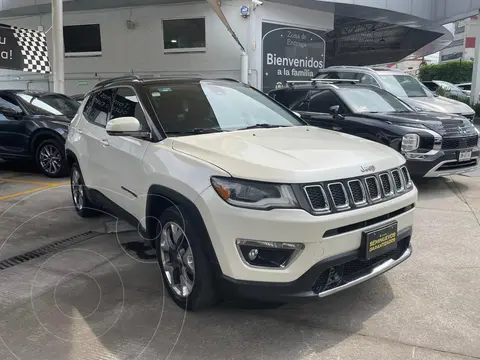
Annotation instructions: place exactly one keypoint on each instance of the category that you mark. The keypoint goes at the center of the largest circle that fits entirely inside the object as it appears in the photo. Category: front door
(13, 136)
(123, 157)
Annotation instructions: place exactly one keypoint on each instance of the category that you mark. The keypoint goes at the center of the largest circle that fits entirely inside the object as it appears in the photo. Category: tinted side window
(291, 98)
(98, 107)
(9, 102)
(126, 103)
(368, 80)
(431, 86)
(322, 101)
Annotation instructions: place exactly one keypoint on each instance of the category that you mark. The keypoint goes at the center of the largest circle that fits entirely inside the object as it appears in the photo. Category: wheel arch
(160, 198)
(71, 157)
(41, 135)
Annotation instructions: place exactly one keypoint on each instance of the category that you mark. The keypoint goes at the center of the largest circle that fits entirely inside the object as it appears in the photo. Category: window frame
(184, 50)
(145, 113)
(109, 112)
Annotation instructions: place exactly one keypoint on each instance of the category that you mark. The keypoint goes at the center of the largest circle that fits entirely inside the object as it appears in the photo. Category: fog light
(252, 255)
(268, 254)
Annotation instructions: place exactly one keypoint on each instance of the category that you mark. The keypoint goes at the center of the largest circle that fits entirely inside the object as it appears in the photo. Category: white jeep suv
(239, 196)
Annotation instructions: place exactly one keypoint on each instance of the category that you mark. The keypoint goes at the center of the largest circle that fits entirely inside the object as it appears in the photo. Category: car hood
(427, 118)
(440, 104)
(291, 154)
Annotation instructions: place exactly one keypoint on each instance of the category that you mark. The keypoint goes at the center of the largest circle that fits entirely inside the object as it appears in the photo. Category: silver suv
(399, 83)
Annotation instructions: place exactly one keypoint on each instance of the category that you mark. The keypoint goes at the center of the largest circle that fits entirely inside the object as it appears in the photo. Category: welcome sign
(23, 49)
(290, 53)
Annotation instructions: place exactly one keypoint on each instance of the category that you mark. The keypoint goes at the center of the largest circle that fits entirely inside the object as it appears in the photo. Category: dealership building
(276, 40)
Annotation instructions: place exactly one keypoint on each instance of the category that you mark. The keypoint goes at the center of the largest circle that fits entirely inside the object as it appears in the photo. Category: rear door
(13, 131)
(94, 142)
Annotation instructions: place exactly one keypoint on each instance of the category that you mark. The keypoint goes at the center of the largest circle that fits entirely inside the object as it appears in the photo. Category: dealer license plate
(465, 155)
(379, 241)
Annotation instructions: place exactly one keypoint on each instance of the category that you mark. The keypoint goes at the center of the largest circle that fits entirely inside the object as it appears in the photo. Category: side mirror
(333, 110)
(126, 126)
(11, 112)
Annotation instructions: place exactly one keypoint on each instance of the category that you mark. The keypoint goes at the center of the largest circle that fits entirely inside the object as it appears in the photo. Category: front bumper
(314, 283)
(442, 163)
(324, 237)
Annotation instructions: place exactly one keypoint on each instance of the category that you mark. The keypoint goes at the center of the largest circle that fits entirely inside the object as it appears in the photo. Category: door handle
(104, 142)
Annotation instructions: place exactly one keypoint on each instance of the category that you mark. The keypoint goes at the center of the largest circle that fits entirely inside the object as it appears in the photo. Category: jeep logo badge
(370, 168)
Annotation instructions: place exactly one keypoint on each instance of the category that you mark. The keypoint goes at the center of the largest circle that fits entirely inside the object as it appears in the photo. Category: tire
(83, 205)
(195, 269)
(50, 158)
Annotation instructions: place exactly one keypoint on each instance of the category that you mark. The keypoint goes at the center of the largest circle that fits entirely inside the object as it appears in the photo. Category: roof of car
(31, 92)
(321, 86)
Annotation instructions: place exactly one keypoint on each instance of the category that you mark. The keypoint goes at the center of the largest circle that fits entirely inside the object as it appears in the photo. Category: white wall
(141, 50)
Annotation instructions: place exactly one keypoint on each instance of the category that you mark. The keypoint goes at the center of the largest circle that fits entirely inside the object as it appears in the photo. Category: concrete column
(58, 47)
(475, 31)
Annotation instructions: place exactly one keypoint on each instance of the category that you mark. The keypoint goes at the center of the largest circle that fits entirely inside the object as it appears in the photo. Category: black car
(34, 126)
(434, 144)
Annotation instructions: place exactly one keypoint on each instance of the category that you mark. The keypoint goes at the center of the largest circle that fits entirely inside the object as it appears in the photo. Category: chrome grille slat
(387, 185)
(357, 192)
(339, 195)
(317, 198)
(406, 177)
(397, 180)
(373, 188)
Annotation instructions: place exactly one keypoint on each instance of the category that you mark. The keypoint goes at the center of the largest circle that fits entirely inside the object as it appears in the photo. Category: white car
(238, 195)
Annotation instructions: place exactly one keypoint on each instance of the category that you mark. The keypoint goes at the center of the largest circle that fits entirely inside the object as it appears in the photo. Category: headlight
(412, 125)
(410, 142)
(253, 194)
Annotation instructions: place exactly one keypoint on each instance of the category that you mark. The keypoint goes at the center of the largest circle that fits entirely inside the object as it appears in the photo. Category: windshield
(216, 106)
(363, 99)
(404, 86)
(51, 104)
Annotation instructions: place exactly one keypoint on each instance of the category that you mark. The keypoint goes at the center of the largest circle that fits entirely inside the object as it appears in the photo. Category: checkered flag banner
(34, 50)
(23, 49)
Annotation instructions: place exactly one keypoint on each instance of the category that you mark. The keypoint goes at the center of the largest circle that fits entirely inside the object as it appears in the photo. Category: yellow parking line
(31, 191)
(44, 183)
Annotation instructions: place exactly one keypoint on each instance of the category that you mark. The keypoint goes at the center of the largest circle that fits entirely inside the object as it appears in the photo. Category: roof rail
(323, 81)
(109, 81)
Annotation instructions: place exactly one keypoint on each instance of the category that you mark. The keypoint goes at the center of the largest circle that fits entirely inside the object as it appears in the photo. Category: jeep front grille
(317, 198)
(373, 188)
(358, 193)
(341, 195)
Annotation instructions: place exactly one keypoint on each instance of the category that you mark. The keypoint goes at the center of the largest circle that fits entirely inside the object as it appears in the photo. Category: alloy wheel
(50, 159)
(177, 259)
(77, 189)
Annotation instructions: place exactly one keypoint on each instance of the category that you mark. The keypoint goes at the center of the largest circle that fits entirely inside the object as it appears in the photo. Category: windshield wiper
(402, 111)
(195, 131)
(262, 126)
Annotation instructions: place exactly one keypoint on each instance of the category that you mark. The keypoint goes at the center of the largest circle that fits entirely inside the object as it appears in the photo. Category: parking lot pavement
(103, 298)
